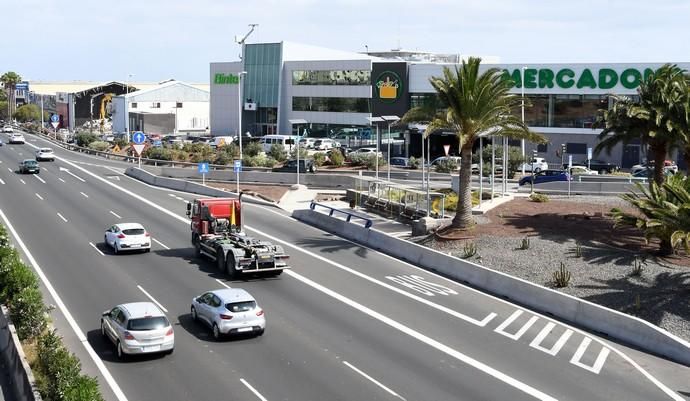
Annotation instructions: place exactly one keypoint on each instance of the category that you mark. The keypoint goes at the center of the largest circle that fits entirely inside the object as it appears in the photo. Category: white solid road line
(661, 386)
(62, 217)
(598, 363)
(72, 174)
(223, 284)
(10, 170)
(68, 316)
(61, 179)
(115, 214)
(39, 178)
(371, 379)
(160, 243)
(39, 196)
(253, 390)
(85, 195)
(501, 328)
(536, 343)
(152, 298)
(22, 181)
(518, 385)
(96, 248)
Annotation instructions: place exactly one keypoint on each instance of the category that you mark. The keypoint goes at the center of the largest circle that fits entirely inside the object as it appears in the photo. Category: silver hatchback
(138, 328)
(229, 311)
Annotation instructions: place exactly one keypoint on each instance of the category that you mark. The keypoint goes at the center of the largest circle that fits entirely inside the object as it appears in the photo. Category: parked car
(290, 166)
(582, 170)
(400, 161)
(545, 176)
(138, 328)
(128, 236)
(29, 166)
(16, 138)
(669, 165)
(229, 311)
(325, 144)
(649, 173)
(307, 142)
(45, 154)
(535, 165)
(597, 165)
(441, 159)
(364, 151)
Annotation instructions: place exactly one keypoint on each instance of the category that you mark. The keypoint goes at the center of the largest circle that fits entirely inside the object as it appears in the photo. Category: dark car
(546, 176)
(400, 161)
(597, 165)
(29, 166)
(290, 166)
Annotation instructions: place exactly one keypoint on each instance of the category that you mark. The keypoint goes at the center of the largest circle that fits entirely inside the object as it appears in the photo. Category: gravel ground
(602, 274)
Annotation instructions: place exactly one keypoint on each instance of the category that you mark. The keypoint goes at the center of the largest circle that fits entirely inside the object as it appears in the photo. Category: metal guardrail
(367, 222)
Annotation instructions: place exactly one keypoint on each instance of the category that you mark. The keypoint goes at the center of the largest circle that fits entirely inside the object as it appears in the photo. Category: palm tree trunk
(659, 153)
(686, 157)
(463, 215)
(665, 247)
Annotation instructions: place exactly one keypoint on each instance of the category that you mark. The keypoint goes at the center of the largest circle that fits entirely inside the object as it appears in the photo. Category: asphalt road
(346, 323)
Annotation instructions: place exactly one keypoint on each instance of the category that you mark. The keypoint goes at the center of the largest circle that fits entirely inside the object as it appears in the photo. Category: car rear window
(31, 162)
(134, 231)
(241, 306)
(47, 150)
(147, 323)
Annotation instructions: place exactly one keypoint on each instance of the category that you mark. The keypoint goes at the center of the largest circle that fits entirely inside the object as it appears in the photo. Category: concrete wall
(626, 328)
(18, 370)
(224, 101)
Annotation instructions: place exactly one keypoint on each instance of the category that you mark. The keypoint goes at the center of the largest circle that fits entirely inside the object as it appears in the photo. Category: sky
(154, 40)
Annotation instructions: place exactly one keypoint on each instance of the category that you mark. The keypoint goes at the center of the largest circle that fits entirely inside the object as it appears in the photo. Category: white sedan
(582, 170)
(128, 236)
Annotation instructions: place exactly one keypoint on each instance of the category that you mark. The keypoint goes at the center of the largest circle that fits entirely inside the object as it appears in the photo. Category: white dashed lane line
(39, 196)
(371, 379)
(61, 180)
(40, 179)
(96, 248)
(115, 214)
(22, 181)
(85, 195)
(62, 217)
(9, 169)
(253, 390)
(152, 298)
(2, 182)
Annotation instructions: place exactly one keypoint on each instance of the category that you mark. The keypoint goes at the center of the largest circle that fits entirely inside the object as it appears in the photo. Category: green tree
(28, 112)
(658, 119)
(474, 104)
(11, 79)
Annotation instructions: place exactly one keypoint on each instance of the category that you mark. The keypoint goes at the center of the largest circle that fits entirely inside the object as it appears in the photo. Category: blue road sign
(237, 167)
(55, 118)
(203, 167)
(157, 143)
(138, 137)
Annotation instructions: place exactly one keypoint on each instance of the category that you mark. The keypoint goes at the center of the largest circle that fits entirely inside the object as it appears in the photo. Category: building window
(577, 111)
(156, 105)
(576, 148)
(542, 148)
(331, 104)
(134, 105)
(335, 77)
(178, 105)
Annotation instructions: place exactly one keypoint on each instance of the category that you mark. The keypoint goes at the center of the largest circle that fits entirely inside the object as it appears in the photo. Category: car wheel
(220, 259)
(195, 317)
(216, 332)
(230, 268)
(120, 353)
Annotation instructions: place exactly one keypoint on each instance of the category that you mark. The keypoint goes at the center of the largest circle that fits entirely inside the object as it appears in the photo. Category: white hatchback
(229, 311)
(45, 154)
(16, 138)
(138, 328)
(128, 236)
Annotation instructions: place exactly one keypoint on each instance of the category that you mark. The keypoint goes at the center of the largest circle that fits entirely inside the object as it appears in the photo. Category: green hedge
(57, 371)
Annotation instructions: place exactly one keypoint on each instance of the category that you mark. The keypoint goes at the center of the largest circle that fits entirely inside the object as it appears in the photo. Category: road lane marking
(536, 343)
(223, 284)
(22, 181)
(115, 214)
(661, 386)
(9, 169)
(501, 328)
(371, 379)
(62, 217)
(425, 339)
(171, 195)
(96, 248)
(253, 390)
(419, 284)
(68, 316)
(160, 243)
(61, 179)
(39, 178)
(72, 174)
(2, 182)
(152, 298)
(39, 196)
(598, 363)
(85, 195)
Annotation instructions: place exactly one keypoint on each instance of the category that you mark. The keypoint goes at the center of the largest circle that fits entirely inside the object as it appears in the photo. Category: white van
(221, 141)
(286, 140)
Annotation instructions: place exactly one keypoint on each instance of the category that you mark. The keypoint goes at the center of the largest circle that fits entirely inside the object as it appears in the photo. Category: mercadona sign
(584, 78)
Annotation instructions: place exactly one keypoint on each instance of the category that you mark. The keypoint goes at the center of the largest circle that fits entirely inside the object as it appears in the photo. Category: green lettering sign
(530, 78)
(545, 78)
(226, 79)
(631, 78)
(586, 80)
(561, 78)
(515, 77)
(607, 78)
(648, 72)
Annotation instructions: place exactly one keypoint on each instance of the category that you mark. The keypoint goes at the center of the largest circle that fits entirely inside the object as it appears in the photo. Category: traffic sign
(54, 124)
(589, 153)
(157, 143)
(55, 118)
(203, 167)
(570, 161)
(139, 147)
(237, 167)
(138, 137)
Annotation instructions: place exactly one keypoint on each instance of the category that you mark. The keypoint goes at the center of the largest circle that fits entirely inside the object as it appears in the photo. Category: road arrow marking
(72, 174)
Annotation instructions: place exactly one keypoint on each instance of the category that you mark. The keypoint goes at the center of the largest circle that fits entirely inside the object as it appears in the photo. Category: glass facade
(262, 63)
(331, 77)
(331, 104)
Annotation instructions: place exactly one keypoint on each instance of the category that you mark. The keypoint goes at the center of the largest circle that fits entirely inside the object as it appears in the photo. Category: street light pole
(376, 152)
(43, 124)
(126, 112)
(239, 109)
(298, 122)
(390, 120)
(522, 143)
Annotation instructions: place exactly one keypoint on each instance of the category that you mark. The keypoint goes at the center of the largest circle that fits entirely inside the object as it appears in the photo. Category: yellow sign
(388, 89)
(116, 149)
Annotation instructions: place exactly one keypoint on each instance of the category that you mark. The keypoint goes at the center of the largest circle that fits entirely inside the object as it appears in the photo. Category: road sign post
(237, 168)
(54, 121)
(139, 138)
(203, 169)
(570, 171)
(589, 158)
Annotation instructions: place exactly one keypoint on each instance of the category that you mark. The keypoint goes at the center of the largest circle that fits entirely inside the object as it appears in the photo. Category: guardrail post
(312, 205)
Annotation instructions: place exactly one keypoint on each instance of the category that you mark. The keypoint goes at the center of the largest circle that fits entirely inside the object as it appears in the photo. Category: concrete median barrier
(21, 378)
(614, 324)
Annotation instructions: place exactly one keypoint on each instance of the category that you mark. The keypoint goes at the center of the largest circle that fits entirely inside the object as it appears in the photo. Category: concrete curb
(617, 325)
(21, 378)
(188, 186)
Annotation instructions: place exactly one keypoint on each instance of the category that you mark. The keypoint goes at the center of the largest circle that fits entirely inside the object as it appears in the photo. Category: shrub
(222, 159)
(179, 155)
(100, 146)
(524, 244)
(357, 160)
(121, 143)
(336, 159)
(537, 197)
(447, 166)
(17, 277)
(84, 139)
(231, 150)
(59, 368)
(303, 153)
(413, 163)
(4, 238)
(561, 277)
(251, 149)
(370, 162)
(28, 312)
(158, 154)
(320, 158)
(267, 162)
(278, 152)
(83, 388)
(199, 157)
(469, 250)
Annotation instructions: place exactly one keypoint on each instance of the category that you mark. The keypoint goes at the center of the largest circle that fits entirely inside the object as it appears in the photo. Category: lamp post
(129, 76)
(297, 122)
(390, 120)
(239, 109)
(376, 153)
(43, 124)
(522, 142)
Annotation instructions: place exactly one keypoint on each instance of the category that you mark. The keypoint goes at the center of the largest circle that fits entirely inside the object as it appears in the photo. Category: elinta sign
(565, 78)
(226, 79)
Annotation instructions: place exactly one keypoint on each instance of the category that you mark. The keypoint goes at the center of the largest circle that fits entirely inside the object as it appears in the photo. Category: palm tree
(11, 79)
(656, 119)
(472, 104)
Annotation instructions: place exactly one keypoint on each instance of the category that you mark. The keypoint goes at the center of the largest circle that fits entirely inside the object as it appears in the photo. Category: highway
(345, 323)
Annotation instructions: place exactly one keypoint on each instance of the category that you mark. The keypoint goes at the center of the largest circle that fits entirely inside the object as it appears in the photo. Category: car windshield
(240, 306)
(134, 231)
(147, 323)
(30, 162)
